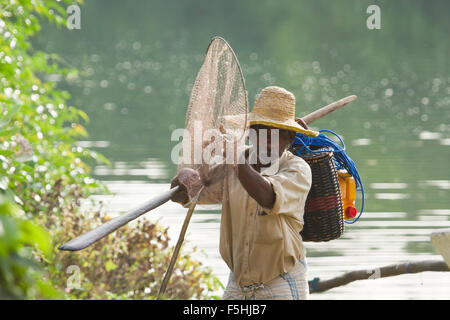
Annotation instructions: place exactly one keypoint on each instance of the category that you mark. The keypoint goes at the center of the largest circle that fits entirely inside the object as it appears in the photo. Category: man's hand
(301, 122)
(181, 195)
(190, 184)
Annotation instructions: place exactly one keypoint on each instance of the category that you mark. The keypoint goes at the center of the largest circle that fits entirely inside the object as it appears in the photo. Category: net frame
(219, 100)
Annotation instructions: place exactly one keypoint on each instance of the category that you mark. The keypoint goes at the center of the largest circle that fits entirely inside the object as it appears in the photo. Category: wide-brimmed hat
(275, 107)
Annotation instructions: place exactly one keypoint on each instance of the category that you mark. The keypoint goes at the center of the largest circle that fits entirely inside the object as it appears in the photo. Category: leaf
(48, 291)
(109, 265)
(83, 114)
(9, 234)
(101, 159)
(6, 119)
(8, 132)
(36, 236)
(6, 153)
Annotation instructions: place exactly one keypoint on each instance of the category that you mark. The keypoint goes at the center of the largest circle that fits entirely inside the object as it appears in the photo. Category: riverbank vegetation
(44, 176)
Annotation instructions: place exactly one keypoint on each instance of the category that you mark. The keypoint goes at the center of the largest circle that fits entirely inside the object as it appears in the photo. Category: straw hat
(275, 107)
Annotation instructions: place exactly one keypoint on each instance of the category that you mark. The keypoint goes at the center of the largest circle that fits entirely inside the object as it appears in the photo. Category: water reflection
(388, 185)
(391, 196)
(152, 169)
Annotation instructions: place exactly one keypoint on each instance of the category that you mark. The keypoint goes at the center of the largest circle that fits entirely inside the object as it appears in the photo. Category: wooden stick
(310, 118)
(166, 279)
(388, 271)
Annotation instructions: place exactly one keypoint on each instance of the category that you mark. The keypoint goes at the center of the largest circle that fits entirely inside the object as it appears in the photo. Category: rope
(340, 158)
(313, 284)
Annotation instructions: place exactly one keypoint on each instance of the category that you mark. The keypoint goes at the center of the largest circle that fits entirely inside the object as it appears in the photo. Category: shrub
(128, 264)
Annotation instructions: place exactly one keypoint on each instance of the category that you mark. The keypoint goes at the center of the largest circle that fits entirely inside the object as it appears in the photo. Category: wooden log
(316, 285)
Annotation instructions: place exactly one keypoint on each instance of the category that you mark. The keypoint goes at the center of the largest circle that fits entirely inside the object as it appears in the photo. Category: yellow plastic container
(348, 193)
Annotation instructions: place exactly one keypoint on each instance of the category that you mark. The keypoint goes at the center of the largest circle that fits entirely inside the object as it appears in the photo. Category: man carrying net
(263, 196)
(262, 186)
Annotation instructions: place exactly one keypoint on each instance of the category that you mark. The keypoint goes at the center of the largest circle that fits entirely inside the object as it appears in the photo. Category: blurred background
(137, 62)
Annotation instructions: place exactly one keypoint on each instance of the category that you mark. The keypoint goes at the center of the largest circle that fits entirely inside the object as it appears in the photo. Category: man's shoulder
(298, 165)
(293, 161)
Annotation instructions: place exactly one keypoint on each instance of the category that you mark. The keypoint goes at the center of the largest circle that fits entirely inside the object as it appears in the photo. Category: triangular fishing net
(218, 100)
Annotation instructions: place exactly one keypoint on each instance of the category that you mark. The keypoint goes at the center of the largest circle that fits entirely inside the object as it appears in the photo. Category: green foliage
(21, 276)
(44, 175)
(38, 128)
(36, 149)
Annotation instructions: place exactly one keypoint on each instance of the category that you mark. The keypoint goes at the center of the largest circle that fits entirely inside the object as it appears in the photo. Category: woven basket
(324, 213)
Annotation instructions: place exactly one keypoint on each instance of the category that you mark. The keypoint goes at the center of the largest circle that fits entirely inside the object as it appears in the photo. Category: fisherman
(262, 208)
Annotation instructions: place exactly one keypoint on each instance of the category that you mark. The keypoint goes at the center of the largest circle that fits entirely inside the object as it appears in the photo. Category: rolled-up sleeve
(291, 186)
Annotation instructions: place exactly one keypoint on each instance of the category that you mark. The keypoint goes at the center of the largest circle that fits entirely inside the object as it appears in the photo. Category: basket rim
(318, 155)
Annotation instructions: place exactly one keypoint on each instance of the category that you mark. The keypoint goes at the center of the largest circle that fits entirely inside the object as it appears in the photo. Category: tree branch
(316, 285)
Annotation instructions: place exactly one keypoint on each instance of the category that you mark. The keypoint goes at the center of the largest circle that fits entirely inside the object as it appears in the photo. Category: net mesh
(218, 100)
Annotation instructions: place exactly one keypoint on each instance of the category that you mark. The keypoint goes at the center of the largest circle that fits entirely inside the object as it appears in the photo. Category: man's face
(266, 139)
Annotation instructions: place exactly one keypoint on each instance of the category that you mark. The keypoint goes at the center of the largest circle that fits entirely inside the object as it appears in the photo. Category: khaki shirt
(257, 243)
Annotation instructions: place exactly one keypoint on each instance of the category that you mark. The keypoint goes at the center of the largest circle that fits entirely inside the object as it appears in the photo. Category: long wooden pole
(313, 116)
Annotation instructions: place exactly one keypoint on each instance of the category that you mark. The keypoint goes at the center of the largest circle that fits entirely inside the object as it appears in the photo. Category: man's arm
(257, 187)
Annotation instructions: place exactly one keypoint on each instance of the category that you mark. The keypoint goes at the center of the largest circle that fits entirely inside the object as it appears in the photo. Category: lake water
(137, 64)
